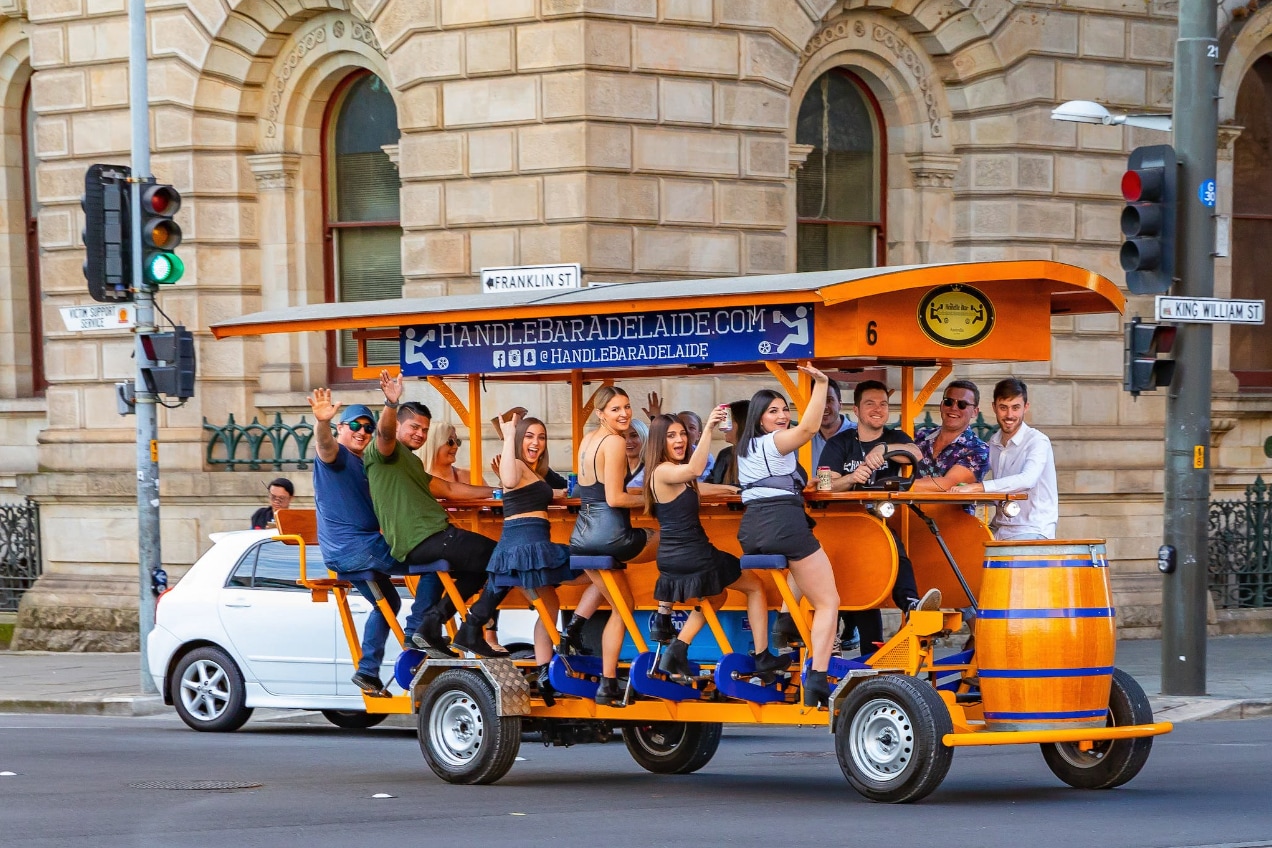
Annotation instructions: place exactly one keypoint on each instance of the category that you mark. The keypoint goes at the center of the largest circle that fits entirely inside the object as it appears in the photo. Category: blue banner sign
(675, 337)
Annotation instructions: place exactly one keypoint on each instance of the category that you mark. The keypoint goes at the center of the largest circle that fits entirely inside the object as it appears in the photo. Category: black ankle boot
(768, 663)
(609, 694)
(546, 690)
(661, 629)
(572, 638)
(471, 639)
(816, 689)
(785, 632)
(430, 637)
(674, 661)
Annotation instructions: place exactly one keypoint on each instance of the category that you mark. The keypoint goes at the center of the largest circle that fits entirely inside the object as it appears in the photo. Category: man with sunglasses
(952, 453)
(348, 529)
(418, 528)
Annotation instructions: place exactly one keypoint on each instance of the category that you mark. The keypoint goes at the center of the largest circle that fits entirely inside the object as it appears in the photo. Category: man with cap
(281, 492)
(348, 530)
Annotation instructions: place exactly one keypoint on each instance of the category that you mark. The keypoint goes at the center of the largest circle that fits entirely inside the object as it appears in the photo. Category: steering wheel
(892, 482)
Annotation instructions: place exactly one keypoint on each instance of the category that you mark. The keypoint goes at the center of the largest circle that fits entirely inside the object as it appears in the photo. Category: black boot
(816, 689)
(572, 638)
(766, 662)
(661, 629)
(471, 639)
(609, 694)
(785, 632)
(430, 638)
(546, 690)
(674, 661)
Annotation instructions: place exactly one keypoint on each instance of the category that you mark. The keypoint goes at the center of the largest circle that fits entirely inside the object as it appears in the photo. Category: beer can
(823, 478)
(727, 424)
(571, 481)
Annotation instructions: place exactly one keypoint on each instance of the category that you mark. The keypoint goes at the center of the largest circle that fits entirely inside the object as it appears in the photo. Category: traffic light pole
(148, 550)
(1188, 458)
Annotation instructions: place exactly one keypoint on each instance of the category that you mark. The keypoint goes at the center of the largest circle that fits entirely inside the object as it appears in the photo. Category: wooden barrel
(1045, 635)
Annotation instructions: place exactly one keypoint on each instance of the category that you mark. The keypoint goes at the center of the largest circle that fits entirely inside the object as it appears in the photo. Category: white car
(238, 632)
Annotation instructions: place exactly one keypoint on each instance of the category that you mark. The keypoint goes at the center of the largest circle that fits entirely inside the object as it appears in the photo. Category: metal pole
(148, 553)
(1188, 403)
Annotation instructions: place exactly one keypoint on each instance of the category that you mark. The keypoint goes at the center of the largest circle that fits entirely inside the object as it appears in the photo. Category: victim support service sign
(672, 337)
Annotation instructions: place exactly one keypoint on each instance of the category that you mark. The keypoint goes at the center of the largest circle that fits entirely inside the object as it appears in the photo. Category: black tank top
(593, 492)
(532, 498)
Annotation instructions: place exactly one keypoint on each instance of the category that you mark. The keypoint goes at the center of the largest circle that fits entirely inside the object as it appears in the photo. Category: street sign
(105, 316)
(1209, 310)
(531, 278)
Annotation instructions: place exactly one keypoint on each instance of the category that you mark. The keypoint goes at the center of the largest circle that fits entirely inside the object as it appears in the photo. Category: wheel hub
(882, 740)
(456, 729)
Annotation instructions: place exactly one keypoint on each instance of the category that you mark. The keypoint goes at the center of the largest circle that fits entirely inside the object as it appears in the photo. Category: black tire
(208, 692)
(353, 719)
(463, 738)
(888, 739)
(673, 747)
(1109, 763)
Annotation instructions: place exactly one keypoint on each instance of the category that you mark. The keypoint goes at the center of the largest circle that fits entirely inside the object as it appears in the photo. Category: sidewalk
(1239, 681)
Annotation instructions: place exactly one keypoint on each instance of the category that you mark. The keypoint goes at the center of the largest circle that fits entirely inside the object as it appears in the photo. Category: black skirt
(778, 526)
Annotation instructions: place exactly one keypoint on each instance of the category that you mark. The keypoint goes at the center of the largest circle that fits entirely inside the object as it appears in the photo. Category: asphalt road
(1205, 784)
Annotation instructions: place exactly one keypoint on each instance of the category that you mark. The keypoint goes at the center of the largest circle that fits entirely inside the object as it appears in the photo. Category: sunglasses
(358, 426)
(961, 404)
(454, 442)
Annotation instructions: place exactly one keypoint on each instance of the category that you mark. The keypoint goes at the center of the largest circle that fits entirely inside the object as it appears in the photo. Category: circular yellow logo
(956, 315)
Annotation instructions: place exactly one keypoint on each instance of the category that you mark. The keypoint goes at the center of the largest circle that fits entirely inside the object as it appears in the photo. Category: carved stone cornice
(1228, 134)
(797, 155)
(393, 151)
(274, 171)
(933, 170)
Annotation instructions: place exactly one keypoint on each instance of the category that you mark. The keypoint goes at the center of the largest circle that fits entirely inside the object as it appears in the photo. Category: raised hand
(818, 376)
(391, 386)
(655, 406)
(508, 428)
(320, 402)
(716, 418)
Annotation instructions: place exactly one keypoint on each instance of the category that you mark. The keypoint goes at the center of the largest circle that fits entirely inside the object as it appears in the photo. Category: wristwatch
(392, 404)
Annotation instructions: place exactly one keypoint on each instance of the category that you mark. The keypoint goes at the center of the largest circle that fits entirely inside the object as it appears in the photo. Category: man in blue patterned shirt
(952, 453)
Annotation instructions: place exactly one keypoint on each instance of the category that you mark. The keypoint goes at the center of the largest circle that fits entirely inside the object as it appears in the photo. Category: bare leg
(591, 598)
(814, 576)
(650, 551)
(756, 608)
(615, 630)
(542, 642)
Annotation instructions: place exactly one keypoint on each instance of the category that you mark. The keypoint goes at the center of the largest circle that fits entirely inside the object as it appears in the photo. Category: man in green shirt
(418, 529)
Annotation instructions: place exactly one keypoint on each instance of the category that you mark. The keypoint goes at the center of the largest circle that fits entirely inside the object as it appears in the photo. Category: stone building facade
(644, 139)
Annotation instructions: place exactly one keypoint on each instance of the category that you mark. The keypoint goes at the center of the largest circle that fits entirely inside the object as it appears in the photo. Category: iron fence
(254, 446)
(1241, 549)
(19, 552)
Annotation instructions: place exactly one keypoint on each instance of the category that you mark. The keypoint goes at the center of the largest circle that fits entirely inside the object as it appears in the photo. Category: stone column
(275, 173)
(797, 155)
(933, 177)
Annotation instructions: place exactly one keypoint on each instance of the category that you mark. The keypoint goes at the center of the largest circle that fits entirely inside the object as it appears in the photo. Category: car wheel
(208, 691)
(1108, 763)
(462, 735)
(353, 719)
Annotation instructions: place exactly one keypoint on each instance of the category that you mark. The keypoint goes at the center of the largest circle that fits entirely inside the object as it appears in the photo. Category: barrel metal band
(1043, 563)
(1043, 716)
(1070, 612)
(1095, 671)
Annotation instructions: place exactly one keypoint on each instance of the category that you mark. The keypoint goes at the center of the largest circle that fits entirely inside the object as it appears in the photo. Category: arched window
(1251, 355)
(363, 234)
(32, 210)
(839, 190)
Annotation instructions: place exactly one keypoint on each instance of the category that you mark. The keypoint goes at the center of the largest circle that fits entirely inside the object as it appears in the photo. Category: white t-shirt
(764, 460)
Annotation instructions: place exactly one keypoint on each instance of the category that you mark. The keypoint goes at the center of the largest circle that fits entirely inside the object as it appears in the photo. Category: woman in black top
(689, 566)
(526, 556)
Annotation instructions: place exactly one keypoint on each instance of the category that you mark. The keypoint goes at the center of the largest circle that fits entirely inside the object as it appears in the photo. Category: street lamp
(1090, 112)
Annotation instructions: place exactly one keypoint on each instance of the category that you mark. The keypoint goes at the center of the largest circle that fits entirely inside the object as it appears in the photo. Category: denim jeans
(377, 630)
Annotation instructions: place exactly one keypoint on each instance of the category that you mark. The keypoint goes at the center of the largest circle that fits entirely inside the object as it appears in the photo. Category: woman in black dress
(689, 567)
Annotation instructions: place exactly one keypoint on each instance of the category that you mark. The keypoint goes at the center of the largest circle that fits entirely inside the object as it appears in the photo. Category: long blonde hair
(438, 435)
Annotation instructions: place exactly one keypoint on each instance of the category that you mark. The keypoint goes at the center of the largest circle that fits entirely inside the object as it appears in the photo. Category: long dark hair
(541, 466)
(751, 430)
(656, 454)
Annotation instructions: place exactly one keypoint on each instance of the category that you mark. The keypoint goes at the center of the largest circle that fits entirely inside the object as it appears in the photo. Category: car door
(287, 641)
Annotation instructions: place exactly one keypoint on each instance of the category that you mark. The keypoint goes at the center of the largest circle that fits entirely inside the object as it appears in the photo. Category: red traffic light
(160, 200)
(1142, 185)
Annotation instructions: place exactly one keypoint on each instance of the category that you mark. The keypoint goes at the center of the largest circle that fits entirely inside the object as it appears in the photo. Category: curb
(1168, 708)
(112, 705)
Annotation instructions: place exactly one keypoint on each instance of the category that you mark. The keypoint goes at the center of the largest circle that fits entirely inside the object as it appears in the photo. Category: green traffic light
(164, 268)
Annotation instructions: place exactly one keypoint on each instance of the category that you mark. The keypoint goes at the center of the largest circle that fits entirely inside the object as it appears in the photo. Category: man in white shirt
(1020, 460)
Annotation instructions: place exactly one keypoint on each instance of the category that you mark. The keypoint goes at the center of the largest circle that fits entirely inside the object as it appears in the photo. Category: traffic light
(171, 367)
(1144, 372)
(160, 235)
(107, 250)
(1148, 219)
